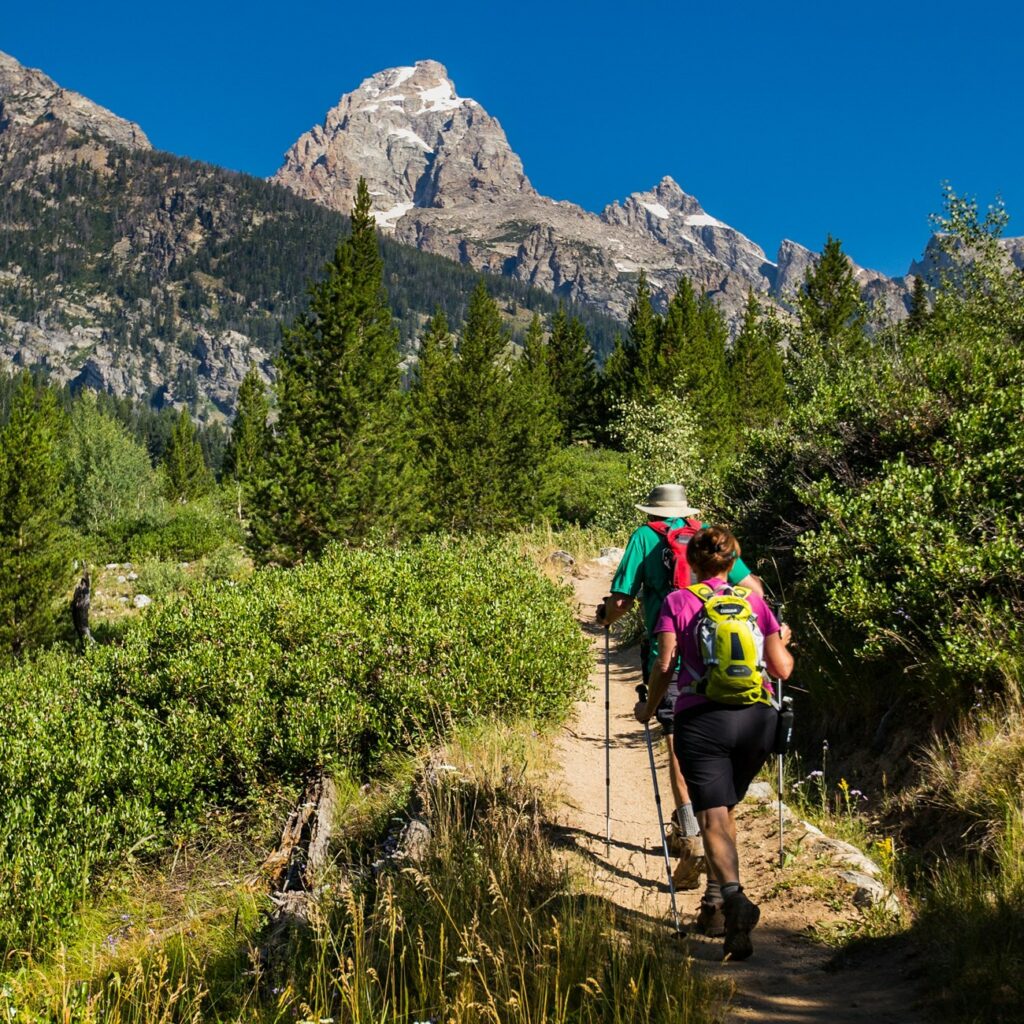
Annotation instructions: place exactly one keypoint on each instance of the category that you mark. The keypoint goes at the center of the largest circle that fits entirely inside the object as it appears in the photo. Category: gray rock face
(28, 98)
(887, 298)
(678, 221)
(84, 357)
(792, 263)
(585, 258)
(444, 178)
(414, 140)
(936, 260)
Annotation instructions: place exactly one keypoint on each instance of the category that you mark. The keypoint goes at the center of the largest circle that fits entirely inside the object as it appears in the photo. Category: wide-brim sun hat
(668, 500)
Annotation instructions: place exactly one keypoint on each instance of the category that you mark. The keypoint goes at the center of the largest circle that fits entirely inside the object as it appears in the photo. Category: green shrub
(184, 533)
(664, 444)
(582, 479)
(160, 580)
(336, 663)
(228, 562)
(892, 496)
(110, 475)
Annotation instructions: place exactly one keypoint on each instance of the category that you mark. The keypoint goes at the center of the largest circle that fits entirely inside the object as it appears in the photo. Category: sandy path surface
(791, 977)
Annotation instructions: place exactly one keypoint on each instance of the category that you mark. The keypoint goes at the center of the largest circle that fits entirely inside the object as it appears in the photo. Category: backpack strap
(703, 591)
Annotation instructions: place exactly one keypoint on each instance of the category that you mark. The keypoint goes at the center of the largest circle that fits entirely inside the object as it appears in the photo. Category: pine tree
(534, 370)
(677, 336)
(919, 308)
(35, 563)
(338, 467)
(247, 449)
(535, 346)
(535, 430)
(831, 312)
(642, 342)
(186, 476)
(692, 359)
(631, 370)
(490, 445)
(757, 385)
(573, 376)
(427, 403)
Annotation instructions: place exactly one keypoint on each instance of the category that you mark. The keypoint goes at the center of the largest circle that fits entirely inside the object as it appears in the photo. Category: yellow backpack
(731, 646)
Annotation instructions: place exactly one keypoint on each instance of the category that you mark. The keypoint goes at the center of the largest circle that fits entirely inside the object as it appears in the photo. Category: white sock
(687, 820)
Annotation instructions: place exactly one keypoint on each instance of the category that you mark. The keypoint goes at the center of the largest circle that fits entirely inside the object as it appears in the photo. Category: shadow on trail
(618, 742)
(568, 837)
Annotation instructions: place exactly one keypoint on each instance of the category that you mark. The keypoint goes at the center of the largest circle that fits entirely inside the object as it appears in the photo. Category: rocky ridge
(74, 200)
(29, 99)
(445, 179)
(147, 275)
(163, 279)
(414, 140)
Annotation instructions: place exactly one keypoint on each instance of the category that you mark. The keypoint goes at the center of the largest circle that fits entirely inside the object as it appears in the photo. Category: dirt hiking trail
(791, 978)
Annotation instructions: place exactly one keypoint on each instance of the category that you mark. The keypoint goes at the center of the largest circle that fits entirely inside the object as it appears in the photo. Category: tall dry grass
(482, 923)
(972, 915)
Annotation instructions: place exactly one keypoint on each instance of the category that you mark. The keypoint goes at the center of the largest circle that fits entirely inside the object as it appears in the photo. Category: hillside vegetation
(148, 262)
(231, 688)
(874, 478)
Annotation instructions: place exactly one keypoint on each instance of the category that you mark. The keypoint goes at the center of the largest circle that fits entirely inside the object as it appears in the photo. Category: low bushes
(583, 479)
(335, 663)
(893, 495)
(482, 919)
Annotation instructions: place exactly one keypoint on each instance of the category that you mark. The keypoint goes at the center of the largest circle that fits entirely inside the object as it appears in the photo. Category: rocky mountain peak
(676, 219)
(415, 141)
(29, 99)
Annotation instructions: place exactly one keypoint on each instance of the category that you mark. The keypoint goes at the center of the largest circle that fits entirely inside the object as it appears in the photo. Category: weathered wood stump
(296, 870)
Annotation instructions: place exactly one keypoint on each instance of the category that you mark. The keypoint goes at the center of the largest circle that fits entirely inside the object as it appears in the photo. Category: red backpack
(675, 550)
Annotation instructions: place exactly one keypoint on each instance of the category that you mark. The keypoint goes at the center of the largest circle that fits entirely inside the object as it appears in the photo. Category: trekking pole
(782, 849)
(783, 733)
(783, 738)
(641, 692)
(607, 747)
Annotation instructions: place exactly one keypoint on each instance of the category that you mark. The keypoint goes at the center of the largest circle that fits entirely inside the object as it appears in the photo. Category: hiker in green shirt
(645, 571)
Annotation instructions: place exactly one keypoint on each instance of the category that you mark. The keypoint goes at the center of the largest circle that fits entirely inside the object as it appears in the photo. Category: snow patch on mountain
(657, 209)
(410, 136)
(702, 220)
(402, 75)
(440, 98)
(389, 218)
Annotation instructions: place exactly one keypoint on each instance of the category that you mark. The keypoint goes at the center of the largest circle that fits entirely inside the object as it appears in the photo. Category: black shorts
(722, 748)
(666, 715)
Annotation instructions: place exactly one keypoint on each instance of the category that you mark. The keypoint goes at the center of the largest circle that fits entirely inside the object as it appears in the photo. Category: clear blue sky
(790, 119)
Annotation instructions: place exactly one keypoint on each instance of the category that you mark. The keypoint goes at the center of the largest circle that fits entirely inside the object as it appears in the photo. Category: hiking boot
(691, 863)
(741, 917)
(683, 846)
(710, 920)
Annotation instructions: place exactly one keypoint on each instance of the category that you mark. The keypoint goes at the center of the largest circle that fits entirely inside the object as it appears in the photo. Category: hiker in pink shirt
(721, 746)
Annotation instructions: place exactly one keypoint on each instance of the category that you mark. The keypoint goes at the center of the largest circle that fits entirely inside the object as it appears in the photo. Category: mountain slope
(160, 278)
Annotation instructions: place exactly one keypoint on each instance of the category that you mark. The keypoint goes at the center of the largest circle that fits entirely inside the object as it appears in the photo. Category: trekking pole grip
(641, 691)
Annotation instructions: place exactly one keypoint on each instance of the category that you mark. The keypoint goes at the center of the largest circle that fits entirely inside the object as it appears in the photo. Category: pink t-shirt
(679, 612)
